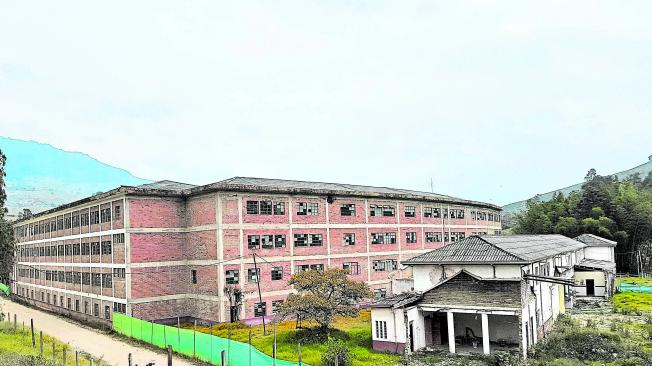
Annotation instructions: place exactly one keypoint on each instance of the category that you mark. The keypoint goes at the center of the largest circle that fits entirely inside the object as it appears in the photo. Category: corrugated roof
(397, 300)
(167, 185)
(498, 249)
(597, 264)
(473, 249)
(595, 241)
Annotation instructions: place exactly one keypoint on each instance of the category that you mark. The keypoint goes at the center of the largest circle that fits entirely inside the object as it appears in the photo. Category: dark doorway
(527, 335)
(411, 337)
(439, 329)
(590, 287)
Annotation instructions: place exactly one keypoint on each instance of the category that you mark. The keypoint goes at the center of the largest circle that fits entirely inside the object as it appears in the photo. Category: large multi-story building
(166, 250)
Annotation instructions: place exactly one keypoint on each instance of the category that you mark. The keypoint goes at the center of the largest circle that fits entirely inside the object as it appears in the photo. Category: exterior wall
(599, 278)
(396, 337)
(599, 253)
(427, 276)
(167, 238)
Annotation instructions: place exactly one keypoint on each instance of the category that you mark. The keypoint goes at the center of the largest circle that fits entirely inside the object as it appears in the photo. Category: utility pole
(260, 296)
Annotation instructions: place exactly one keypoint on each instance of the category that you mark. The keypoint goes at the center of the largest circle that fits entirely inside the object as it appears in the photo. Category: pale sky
(493, 101)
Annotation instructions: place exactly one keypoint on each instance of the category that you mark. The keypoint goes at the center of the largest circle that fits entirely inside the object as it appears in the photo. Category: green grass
(355, 332)
(17, 345)
(633, 302)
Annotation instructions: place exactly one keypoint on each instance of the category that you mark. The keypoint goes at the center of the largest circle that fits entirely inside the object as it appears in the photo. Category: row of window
(117, 307)
(349, 209)
(96, 216)
(96, 279)
(260, 308)
(93, 248)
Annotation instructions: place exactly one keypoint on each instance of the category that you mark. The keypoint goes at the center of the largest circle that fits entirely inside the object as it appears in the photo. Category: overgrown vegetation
(605, 206)
(355, 333)
(16, 349)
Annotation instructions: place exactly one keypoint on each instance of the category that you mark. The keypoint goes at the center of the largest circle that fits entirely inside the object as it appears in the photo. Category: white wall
(418, 326)
(599, 253)
(427, 276)
(395, 324)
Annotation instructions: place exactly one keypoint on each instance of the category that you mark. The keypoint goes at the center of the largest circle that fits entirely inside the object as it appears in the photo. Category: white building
(595, 274)
(481, 294)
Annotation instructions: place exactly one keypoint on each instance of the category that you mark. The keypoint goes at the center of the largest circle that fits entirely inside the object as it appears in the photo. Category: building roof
(265, 186)
(595, 241)
(597, 264)
(396, 301)
(489, 249)
(167, 185)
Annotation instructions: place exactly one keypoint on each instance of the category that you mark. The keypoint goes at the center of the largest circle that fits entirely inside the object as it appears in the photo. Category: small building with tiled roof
(482, 294)
(595, 274)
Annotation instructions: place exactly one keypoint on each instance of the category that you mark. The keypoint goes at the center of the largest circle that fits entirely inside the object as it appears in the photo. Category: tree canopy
(605, 206)
(6, 231)
(322, 295)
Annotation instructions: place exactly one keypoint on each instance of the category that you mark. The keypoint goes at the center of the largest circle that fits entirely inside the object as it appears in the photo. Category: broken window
(253, 274)
(410, 211)
(265, 207)
(279, 208)
(383, 238)
(277, 273)
(385, 265)
(252, 207)
(348, 238)
(353, 268)
(267, 241)
(307, 208)
(347, 209)
(253, 242)
(260, 309)
(232, 276)
(433, 237)
(410, 237)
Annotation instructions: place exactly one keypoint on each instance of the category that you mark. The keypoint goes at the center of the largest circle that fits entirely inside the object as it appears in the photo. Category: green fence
(5, 289)
(205, 347)
(628, 287)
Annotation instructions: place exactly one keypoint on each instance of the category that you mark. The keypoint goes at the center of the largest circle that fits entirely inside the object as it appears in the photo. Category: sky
(493, 101)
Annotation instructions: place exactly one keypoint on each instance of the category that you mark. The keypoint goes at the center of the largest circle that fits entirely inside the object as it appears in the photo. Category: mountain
(513, 208)
(41, 176)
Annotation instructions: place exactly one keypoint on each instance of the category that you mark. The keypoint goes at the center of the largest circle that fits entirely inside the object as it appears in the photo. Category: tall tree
(6, 231)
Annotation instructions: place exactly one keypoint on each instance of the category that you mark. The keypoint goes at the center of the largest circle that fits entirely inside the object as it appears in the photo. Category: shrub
(336, 349)
(588, 344)
(12, 359)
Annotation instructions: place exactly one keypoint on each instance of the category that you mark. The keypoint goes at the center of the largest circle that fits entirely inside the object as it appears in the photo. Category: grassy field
(16, 349)
(355, 332)
(634, 281)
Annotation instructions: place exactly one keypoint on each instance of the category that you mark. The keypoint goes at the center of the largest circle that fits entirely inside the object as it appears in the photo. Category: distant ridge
(513, 208)
(41, 176)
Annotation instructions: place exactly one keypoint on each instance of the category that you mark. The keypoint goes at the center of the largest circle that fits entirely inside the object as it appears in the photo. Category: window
(347, 210)
(267, 241)
(67, 223)
(68, 249)
(308, 267)
(193, 276)
(96, 279)
(85, 307)
(385, 265)
(253, 274)
(75, 249)
(307, 209)
(305, 240)
(253, 241)
(410, 211)
(252, 207)
(107, 280)
(118, 238)
(96, 309)
(279, 241)
(232, 277)
(433, 212)
(86, 278)
(106, 247)
(411, 237)
(276, 304)
(260, 309)
(77, 305)
(119, 272)
(84, 219)
(380, 293)
(95, 217)
(383, 238)
(60, 250)
(69, 303)
(119, 308)
(277, 273)
(116, 212)
(105, 215)
(265, 207)
(279, 208)
(457, 213)
(348, 239)
(85, 249)
(378, 210)
(353, 268)
(433, 237)
(381, 329)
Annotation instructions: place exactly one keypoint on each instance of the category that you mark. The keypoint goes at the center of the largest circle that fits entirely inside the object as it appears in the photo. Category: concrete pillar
(451, 331)
(485, 334)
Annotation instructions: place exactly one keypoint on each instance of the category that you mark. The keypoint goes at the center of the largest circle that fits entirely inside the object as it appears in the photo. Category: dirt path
(111, 350)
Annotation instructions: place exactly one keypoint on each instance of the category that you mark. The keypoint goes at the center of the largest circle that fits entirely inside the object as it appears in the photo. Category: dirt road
(111, 350)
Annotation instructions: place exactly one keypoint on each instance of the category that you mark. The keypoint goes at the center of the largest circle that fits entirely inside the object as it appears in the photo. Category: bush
(336, 349)
(588, 344)
(18, 360)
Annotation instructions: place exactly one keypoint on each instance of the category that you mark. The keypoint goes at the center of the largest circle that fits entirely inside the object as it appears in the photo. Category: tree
(322, 295)
(6, 231)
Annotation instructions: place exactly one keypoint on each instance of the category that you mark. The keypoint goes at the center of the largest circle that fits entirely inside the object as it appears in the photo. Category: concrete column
(451, 332)
(485, 334)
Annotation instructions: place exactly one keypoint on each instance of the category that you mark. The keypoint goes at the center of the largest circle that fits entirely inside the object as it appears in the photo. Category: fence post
(194, 339)
(90, 361)
(299, 350)
(129, 359)
(250, 346)
(179, 332)
(40, 339)
(274, 345)
(223, 358)
(210, 325)
(228, 344)
(169, 355)
(53, 348)
(15, 323)
(76, 358)
(64, 355)
(165, 338)
(31, 321)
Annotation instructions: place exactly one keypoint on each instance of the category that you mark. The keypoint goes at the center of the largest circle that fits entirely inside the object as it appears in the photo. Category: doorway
(590, 287)
(411, 336)
(439, 329)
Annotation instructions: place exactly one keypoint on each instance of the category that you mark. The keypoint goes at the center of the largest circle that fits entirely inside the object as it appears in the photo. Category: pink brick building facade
(168, 250)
